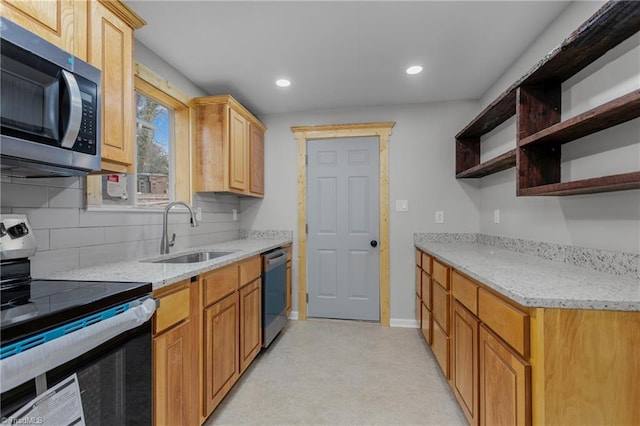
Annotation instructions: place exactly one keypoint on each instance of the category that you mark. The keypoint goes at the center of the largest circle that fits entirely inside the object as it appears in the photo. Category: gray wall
(607, 221)
(421, 168)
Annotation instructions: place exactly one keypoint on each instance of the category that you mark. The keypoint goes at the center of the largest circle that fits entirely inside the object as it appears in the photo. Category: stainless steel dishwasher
(274, 303)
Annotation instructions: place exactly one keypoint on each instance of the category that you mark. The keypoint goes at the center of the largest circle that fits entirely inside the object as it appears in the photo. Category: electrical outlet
(439, 217)
(234, 213)
(199, 213)
(402, 205)
(496, 216)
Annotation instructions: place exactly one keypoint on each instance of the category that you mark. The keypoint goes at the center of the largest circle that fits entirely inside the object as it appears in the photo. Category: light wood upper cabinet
(52, 20)
(256, 161)
(110, 48)
(229, 152)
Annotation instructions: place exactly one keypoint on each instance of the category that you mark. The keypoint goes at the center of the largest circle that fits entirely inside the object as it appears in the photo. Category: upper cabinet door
(238, 151)
(52, 20)
(110, 48)
(256, 161)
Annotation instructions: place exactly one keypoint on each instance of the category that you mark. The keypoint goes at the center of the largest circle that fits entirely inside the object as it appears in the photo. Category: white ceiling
(342, 53)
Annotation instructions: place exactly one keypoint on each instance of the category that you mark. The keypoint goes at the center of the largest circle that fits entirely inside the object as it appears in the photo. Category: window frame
(155, 87)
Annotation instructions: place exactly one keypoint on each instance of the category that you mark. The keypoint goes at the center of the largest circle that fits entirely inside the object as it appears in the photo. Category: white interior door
(343, 219)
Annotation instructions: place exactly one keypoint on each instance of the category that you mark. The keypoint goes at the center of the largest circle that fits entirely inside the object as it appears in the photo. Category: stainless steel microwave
(50, 108)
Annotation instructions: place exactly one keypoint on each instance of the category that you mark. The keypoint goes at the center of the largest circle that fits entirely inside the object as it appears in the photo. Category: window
(162, 162)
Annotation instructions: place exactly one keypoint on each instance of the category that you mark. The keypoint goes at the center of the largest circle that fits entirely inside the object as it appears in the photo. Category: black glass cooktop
(50, 303)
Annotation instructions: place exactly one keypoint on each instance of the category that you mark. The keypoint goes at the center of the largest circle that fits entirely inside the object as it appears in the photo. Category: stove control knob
(3, 230)
(19, 230)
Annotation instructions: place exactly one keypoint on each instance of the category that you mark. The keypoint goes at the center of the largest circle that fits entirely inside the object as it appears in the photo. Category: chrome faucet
(165, 243)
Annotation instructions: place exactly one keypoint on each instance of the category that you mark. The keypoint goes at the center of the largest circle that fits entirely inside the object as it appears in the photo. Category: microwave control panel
(87, 137)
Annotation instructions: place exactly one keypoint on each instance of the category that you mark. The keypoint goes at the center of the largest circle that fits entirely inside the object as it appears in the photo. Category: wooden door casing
(505, 383)
(221, 350)
(464, 361)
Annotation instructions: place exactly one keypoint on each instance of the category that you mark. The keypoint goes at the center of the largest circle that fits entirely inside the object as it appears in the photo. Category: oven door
(114, 380)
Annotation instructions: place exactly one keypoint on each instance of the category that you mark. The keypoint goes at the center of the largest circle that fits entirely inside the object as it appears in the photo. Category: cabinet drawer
(219, 283)
(466, 291)
(441, 273)
(173, 308)
(418, 282)
(440, 347)
(418, 258)
(425, 324)
(250, 269)
(511, 324)
(426, 290)
(441, 308)
(426, 263)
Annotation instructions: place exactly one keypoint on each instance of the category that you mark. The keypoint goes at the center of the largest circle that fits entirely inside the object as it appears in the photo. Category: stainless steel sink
(201, 256)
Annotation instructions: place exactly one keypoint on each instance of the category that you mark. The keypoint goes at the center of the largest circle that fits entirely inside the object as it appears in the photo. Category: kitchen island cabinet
(519, 359)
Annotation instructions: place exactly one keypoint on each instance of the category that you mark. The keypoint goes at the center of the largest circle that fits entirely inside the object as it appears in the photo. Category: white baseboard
(403, 323)
(293, 315)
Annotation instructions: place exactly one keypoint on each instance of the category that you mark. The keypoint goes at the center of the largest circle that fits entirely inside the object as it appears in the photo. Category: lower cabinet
(250, 323)
(220, 349)
(504, 383)
(175, 399)
(464, 361)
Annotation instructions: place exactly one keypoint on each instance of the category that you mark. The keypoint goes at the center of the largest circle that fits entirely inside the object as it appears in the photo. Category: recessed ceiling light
(416, 69)
(283, 82)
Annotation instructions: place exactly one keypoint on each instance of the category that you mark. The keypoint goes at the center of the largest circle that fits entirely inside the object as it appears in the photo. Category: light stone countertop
(535, 282)
(163, 274)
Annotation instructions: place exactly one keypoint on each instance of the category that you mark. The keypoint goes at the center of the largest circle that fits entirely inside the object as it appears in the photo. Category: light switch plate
(496, 216)
(199, 213)
(235, 214)
(439, 217)
(402, 205)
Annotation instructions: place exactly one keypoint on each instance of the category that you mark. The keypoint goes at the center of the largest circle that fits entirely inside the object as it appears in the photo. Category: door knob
(373, 243)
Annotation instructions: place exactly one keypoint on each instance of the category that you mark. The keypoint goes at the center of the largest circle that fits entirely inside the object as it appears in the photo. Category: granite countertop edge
(538, 283)
(164, 274)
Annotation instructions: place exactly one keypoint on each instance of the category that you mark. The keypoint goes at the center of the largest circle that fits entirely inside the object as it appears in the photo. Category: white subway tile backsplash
(24, 195)
(66, 197)
(76, 237)
(97, 255)
(42, 239)
(69, 237)
(46, 262)
(123, 234)
(50, 218)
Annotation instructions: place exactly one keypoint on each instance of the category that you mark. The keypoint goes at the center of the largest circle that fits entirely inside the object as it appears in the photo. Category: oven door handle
(24, 366)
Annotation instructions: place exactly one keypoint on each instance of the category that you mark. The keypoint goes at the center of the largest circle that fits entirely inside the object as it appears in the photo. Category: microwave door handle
(75, 110)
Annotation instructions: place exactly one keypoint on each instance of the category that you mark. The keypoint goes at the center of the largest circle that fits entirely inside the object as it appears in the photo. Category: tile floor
(322, 372)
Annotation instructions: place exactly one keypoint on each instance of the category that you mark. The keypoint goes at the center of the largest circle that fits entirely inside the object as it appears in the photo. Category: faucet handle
(173, 240)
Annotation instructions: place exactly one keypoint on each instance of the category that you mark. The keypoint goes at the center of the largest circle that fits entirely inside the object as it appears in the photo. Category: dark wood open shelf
(495, 165)
(612, 24)
(586, 186)
(612, 113)
(535, 100)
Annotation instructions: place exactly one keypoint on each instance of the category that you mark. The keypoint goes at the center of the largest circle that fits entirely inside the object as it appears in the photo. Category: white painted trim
(403, 323)
(294, 315)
